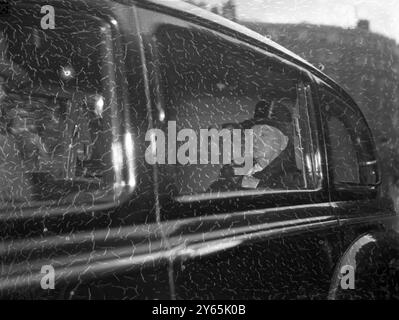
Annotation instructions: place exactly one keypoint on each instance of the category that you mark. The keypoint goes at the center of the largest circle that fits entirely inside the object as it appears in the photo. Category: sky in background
(383, 14)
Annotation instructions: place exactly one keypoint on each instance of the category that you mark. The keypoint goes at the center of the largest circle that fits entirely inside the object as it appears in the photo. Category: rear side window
(209, 84)
(58, 124)
(352, 157)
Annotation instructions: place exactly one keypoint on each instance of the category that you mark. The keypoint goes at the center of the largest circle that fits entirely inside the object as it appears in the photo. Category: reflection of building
(229, 10)
(364, 63)
(226, 9)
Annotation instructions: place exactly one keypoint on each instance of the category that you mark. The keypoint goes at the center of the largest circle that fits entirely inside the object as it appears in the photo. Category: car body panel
(374, 258)
(272, 248)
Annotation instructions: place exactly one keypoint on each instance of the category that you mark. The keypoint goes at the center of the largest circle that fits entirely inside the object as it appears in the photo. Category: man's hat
(262, 110)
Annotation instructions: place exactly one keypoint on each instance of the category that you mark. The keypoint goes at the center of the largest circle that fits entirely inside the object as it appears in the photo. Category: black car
(106, 107)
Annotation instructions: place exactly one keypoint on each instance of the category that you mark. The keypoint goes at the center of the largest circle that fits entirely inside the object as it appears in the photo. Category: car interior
(54, 126)
(219, 88)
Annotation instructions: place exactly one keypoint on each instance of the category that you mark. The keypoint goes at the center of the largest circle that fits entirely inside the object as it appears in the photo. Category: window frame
(120, 122)
(246, 199)
(308, 179)
(343, 189)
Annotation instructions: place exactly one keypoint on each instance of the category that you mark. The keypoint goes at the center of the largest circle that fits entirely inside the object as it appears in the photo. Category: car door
(247, 237)
(367, 216)
(77, 216)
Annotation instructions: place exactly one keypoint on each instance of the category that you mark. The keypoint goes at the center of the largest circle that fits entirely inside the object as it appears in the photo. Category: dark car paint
(262, 248)
(375, 257)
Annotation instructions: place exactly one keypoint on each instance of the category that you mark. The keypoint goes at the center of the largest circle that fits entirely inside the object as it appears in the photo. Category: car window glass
(343, 153)
(208, 84)
(57, 110)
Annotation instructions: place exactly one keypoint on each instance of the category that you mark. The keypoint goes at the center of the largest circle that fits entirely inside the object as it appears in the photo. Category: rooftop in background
(383, 16)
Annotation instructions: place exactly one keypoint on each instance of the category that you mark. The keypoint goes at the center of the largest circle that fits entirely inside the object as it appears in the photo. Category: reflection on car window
(210, 83)
(55, 127)
(343, 153)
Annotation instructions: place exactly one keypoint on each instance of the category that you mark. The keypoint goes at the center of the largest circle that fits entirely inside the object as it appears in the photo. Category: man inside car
(273, 152)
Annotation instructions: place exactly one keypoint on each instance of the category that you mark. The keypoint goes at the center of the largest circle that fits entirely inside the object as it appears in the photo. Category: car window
(216, 95)
(343, 153)
(352, 157)
(58, 118)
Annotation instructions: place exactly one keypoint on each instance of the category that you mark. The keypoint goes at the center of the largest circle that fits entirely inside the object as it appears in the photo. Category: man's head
(280, 111)
(275, 113)
(262, 109)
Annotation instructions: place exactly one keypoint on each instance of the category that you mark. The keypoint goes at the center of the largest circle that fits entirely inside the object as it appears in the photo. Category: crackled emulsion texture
(232, 88)
(60, 143)
(58, 110)
(65, 146)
